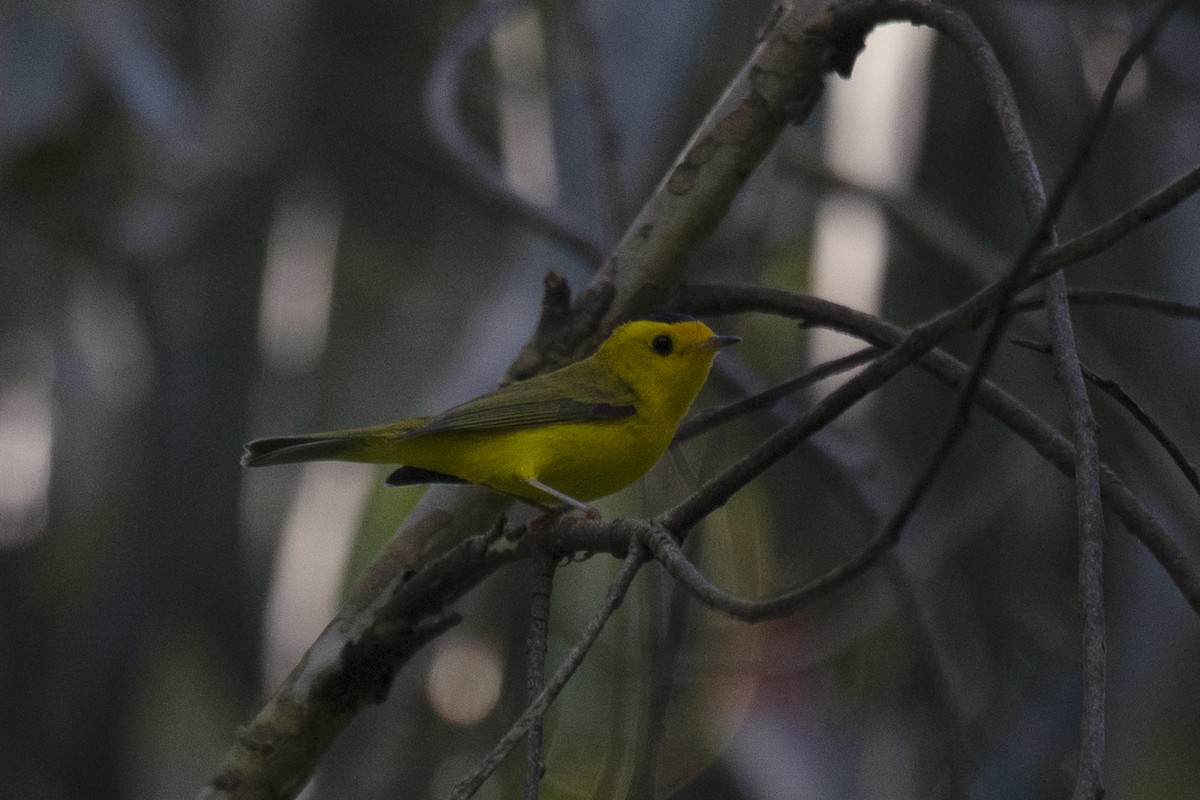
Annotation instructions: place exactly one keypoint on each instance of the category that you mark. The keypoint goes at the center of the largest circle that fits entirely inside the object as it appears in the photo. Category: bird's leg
(588, 511)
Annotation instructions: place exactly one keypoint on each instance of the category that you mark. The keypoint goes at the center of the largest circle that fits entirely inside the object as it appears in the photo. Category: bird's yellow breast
(585, 460)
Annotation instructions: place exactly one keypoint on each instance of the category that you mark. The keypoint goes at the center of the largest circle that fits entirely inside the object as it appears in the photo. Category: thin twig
(474, 166)
(1114, 390)
(961, 30)
(1089, 780)
(664, 652)
(911, 346)
(704, 421)
(665, 547)
(1056, 448)
(1090, 776)
(1110, 232)
(634, 561)
(1112, 297)
(544, 565)
(904, 351)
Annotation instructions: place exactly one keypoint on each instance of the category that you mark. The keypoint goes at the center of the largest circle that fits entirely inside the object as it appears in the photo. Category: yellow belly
(585, 460)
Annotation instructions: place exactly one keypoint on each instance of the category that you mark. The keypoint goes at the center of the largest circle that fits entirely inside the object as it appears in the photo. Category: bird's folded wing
(534, 402)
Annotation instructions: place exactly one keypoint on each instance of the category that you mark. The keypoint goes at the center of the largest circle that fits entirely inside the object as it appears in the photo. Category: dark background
(155, 158)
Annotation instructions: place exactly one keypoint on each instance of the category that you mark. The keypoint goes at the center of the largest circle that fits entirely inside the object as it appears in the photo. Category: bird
(555, 440)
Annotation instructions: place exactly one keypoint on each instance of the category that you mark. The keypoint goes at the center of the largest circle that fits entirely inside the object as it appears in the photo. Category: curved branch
(961, 30)
(634, 561)
(716, 300)
(323, 694)
(780, 83)
(663, 540)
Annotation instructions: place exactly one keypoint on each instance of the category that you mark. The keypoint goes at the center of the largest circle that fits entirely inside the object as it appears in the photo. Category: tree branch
(1089, 781)
(545, 565)
(433, 557)
(1112, 297)
(1108, 233)
(709, 418)
(1114, 390)
(725, 299)
(778, 85)
(272, 756)
(961, 30)
(634, 561)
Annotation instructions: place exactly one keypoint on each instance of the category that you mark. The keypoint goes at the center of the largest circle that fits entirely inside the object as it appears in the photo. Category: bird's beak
(719, 342)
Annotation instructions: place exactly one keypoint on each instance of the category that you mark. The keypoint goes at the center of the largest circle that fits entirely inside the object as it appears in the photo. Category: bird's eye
(662, 345)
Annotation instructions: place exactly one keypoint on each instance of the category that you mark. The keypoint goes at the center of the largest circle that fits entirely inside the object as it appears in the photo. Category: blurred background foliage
(221, 220)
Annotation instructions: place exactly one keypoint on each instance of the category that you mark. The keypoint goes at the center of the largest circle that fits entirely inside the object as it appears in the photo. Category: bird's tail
(373, 445)
(293, 449)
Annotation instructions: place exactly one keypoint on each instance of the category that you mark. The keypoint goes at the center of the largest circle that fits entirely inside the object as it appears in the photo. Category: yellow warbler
(569, 436)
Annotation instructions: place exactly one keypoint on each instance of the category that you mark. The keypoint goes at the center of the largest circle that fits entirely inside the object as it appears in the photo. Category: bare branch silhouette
(1112, 231)
(537, 709)
(433, 560)
(1112, 297)
(725, 299)
(704, 421)
(1114, 390)
(545, 564)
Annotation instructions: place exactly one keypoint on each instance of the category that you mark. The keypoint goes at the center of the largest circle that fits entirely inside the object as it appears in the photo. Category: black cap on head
(669, 316)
